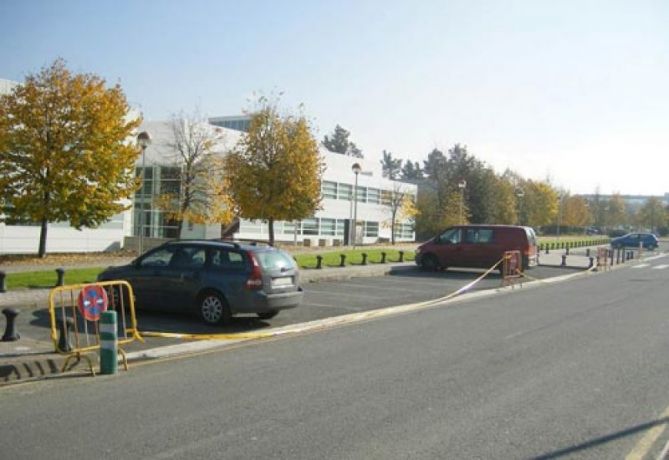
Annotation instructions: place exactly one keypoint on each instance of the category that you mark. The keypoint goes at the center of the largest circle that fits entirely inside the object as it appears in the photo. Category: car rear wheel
(430, 263)
(213, 308)
(268, 314)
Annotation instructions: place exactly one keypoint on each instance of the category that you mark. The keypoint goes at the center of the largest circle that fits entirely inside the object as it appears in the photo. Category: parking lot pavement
(328, 293)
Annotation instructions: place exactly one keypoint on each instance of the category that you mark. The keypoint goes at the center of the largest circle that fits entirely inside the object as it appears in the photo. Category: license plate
(280, 282)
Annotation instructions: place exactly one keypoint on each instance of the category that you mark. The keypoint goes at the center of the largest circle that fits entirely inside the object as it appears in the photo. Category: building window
(386, 197)
(404, 231)
(310, 227)
(373, 195)
(341, 225)
(344, 192)
(329, 190)
(361, 194)
(289, 227)
(371, 229)
(328, 227)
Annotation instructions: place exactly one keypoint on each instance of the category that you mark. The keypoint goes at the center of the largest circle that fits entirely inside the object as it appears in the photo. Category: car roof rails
(248, 242)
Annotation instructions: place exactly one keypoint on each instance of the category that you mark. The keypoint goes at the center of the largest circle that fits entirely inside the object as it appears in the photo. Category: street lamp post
(356, 170)
(559, 221)
(462, 185)
(520, 194)
(144, 140)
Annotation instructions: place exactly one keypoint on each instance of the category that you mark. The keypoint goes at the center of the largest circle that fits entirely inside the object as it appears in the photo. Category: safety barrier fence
(75, 311)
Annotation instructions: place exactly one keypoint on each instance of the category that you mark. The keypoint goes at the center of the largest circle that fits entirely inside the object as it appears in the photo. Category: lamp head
(144, 139)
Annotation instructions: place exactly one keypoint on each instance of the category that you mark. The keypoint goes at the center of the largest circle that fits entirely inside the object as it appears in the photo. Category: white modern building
(332, 224)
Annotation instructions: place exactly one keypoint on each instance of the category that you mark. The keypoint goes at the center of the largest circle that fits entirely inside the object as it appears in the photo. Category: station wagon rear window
(274, 260)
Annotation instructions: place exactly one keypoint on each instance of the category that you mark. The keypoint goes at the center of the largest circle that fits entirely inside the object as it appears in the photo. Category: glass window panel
(329, 189)
(386, 197)
(361, 194)
(341, 225)
(373, 195)
(310, 227)
(289, 227)
(372, 229)
(344, 192)
(328, 227)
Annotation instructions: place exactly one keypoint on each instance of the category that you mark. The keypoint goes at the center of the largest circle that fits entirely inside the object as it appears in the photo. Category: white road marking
(660, 267)
(641, 266)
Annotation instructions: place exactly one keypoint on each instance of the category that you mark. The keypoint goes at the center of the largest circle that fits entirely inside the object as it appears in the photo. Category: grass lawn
(48, 278)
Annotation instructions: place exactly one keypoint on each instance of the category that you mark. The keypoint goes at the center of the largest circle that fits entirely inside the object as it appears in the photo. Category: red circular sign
(92, 302)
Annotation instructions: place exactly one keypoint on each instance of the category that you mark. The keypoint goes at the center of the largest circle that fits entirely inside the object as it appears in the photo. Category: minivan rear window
(274, 260)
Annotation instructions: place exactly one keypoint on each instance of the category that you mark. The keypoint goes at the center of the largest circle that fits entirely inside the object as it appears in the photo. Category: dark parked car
(479, 246)
(632, 240)
(215, 279)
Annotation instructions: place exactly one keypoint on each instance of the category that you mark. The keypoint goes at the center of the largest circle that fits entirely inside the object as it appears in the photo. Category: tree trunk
(42, 238)
(270, 224)
(180, 224)
(392, 229)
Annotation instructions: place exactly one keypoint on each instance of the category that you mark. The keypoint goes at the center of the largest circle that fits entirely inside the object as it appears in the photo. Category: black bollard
(3, 286)
(618, 256)
(567, 251)
(587, 252)
(319, 262)
(564, 260)
(592, 262)
(364, 258)
(401, 256)
(342, 260)
(61, 276)
(547, 249)
(11, 334)
(64, 328)
(611, 256)
(383, 257)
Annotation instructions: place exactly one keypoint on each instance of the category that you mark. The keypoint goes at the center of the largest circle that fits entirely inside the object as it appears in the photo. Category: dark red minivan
(477, 246)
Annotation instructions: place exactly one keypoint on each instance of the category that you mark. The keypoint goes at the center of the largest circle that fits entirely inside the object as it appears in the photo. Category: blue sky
(574, 91)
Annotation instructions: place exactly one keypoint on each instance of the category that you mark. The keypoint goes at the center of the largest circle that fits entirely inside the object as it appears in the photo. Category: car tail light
(255, 279)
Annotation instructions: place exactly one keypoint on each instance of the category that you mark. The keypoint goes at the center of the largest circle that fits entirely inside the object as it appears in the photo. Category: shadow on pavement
(601, 440)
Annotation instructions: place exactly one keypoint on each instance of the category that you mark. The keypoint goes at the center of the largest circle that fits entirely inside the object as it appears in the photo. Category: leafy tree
(411, 171)
(197, 151)
(391, 167)
(575, 212)
(340, 143)
(64, 150)
(616, 213)
(652, 214)
(275, 171)
(504, 204)
(541, 204)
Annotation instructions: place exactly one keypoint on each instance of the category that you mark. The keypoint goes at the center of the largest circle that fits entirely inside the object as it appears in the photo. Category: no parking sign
(92, 302)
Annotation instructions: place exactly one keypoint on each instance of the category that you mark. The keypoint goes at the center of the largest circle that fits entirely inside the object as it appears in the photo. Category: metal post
(11, 334)
(144, 140)
(140, 251)
(64, 328)
(342, 260)
(355, 210)
(108, 343)
(364, 258)
(3, 285)
(60, 272)
(319, 262)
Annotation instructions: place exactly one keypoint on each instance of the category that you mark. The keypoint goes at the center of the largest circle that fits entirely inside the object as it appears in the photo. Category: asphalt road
(571, 370)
